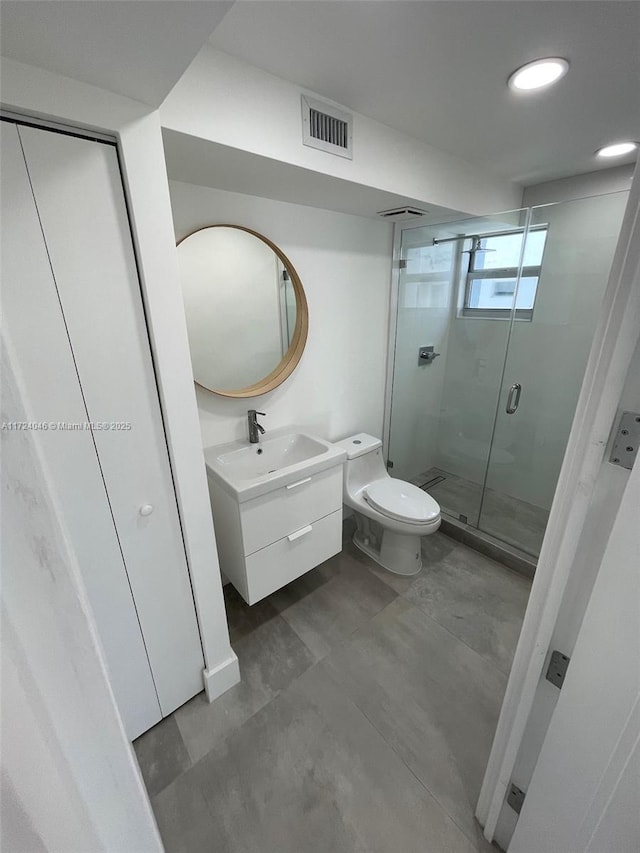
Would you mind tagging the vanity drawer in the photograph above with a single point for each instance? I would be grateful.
(271, 517)
(294, 555)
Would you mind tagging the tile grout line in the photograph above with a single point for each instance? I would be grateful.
(317, 665)
(403, 595)
(440, 805)
(354, 631)
(238, 729)
(251, 716)
(347, 641)
(357, 705)
(500, 566)
(492, 663)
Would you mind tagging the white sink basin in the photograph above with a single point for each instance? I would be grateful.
(249, 470)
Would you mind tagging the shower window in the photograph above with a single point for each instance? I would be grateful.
(492, 273)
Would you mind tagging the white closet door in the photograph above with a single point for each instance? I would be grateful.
(34, 327)
(78, 193)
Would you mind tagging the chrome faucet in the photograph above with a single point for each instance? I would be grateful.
(254, 427)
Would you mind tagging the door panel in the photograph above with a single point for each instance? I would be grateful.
(585, 788)
(547, 355)
(443, 412)
(78, 192)
(34, 326)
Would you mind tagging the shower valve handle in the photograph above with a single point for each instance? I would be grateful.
(426, 354)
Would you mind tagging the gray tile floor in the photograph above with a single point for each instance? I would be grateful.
(512, 520)
(363, 720)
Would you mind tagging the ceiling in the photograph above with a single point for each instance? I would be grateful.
(136, 48)
(433, 69)
(437, 71)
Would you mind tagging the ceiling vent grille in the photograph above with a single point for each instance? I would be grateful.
(327, 128)
(399, 214)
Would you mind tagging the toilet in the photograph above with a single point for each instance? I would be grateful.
(391, 515)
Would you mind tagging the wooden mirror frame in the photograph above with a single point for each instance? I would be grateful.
(293, 355)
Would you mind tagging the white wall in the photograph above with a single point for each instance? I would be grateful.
(615, 179)
(423, 319)
(344, 263)
(225, 100)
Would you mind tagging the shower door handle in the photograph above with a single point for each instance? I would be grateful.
(513, 400)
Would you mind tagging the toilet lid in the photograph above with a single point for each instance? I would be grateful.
(401, 500)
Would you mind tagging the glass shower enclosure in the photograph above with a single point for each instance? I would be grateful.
(495, 320)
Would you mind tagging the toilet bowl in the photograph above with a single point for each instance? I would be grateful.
(391, 515)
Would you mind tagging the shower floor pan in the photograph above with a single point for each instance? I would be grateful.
(511, 530)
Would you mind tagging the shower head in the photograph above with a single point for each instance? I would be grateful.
(476, 241)
(476, 247)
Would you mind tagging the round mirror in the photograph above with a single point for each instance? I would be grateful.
(247, 316)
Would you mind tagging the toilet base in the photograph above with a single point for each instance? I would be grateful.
(399, 553)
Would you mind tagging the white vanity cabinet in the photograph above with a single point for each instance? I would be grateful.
(267, 541)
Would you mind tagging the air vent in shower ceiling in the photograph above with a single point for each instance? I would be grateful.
(327, 128)
(399, 214)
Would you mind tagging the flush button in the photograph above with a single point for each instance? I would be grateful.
(146, 509)
(357, 441)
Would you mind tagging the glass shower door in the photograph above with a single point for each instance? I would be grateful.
(566, 262)
(443, 408)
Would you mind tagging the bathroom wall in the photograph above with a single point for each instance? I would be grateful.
(423, 319)
(345, 265)
(579, 186)
(547, 356)
(224, 100)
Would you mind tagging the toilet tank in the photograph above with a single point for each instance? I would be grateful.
(365, 462)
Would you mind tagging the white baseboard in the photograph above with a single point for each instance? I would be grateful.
(221, 678)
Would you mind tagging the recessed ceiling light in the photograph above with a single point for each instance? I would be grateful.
(538, 74)
(617, 150)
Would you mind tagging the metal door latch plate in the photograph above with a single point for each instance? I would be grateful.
(515, 798)
(557, 670)
(626, 440)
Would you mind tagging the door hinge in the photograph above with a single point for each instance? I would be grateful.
(389, 464)
(557, 668)
(626, 440)
(515, 798)
(402, 264)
